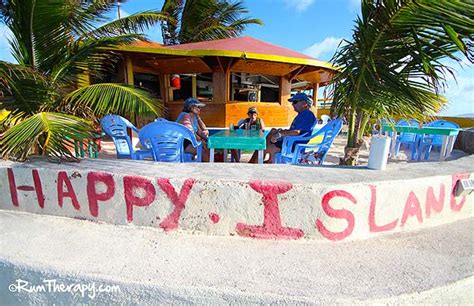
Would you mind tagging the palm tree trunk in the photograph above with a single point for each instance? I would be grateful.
(351, 151)
(363, 126)
(350, 132)
(357, 129)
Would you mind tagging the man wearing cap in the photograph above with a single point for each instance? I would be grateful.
(190, 118)
(301, 125)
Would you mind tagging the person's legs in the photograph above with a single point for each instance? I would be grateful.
(205, 152)
(190, 149)
(235, 155)
(254, 158)
(272, 149)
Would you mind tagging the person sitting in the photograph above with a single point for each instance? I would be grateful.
(252, 122)
(190, 118)
(301, 125)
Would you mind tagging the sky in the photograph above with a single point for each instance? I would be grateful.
(313, 27)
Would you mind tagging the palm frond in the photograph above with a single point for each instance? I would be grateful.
(53, 133)
(25, 90)
(133, 24)
(121, 99)
(209, 20)
(169, 28)
(89, 55)
(394, 61)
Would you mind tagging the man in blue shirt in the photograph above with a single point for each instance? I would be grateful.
(301, 125)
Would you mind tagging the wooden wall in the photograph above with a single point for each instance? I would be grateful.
(222, 114)
(273, 114)
(220, 87)
(213, 114)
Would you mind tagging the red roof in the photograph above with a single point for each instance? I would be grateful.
(243, 44)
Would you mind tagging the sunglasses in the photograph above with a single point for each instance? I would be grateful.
(296, 102)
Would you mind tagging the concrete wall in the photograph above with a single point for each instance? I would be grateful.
(264, 209)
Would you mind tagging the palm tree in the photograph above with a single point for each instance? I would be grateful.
(200, 20)
(395, 63)
(56, 43)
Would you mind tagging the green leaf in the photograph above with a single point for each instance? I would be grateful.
(121, 99)
(52, 134)
(454, 36)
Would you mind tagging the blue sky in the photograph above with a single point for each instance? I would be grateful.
(314, 27)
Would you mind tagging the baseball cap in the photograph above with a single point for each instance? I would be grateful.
(252, 110)
(193, 102)
(301, 96)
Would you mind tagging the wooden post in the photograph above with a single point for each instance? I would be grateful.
(315, 98)
(285, 91)
(169, 89)
(194, 85)
(129, 71)
(129, 81)
(285, 94)
(231, 88)
(220, 87)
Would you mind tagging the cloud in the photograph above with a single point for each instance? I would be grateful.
(299, 5)
(4, 33)
(354, 4)
(460, 92)
(324, 49)
(5, 53)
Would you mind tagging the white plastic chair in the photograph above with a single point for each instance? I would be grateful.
(325, 118)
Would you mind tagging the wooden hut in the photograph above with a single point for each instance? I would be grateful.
(229, 75)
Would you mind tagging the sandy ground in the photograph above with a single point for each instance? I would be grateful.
(432, 267)
(332, 158)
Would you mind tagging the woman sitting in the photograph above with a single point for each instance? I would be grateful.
(190, 118)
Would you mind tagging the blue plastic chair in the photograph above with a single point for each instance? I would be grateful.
(429, 141)
(167, 138)
(116, 127)
(409, 139)
(290, 155)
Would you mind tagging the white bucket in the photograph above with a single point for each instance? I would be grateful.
(379, 149)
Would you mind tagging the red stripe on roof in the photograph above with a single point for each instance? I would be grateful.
(243, 44)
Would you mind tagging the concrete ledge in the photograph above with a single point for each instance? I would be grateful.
(430, 266)
(257, 201)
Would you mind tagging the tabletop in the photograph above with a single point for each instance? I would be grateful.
(238, 139)
(422, 130)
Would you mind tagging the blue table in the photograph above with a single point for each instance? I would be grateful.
(449, 135)
(238, 139)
